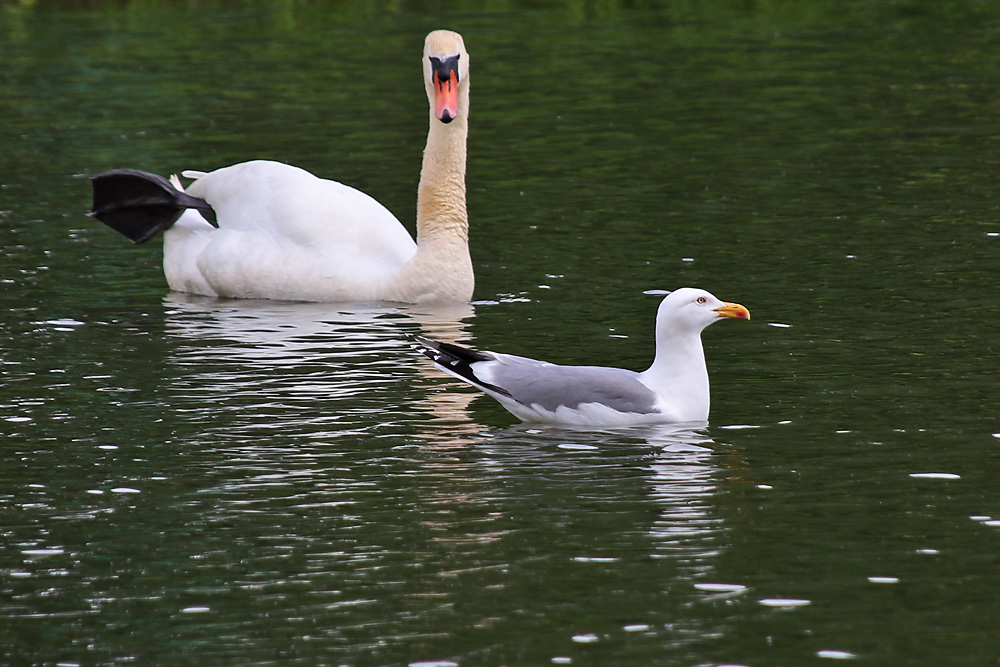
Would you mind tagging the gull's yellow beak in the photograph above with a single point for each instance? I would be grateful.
(733, 310)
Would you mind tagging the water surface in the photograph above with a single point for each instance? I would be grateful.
(198, 481)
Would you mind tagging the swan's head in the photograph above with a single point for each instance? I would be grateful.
(693, 309)
(446, 74)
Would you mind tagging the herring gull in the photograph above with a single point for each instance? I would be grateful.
(673, 389)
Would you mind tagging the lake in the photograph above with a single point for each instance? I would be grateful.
(187, 480)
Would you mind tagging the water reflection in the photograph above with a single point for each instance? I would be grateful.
(331, 366)
(289, 324)
(684, 479)
(305, 463)
(300, 476)
(680, 467)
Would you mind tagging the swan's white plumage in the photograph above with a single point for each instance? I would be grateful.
(286, 234)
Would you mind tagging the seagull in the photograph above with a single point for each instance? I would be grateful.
(674, 389)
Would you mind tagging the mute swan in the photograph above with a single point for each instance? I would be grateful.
(674, 389)
(283, 233)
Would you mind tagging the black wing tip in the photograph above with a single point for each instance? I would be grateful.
(451, 349)
(426, 346)
(423, 340)
(461, 352)
(458, 360)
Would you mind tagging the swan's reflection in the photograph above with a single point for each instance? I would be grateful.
(331, 364)
(288, 324)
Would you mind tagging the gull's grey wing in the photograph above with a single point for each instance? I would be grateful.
(550, 386)
(538, 383)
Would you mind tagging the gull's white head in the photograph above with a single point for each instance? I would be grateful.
(693, 309)
(446, 75)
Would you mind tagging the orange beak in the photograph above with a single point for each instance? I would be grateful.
(733, 310)
(446, 96)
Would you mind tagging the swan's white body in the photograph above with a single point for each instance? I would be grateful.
(285, 234)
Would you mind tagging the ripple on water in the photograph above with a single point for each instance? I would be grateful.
(784, 603)
(196, 610)
(720, 588)
(835, 655)
(636, 627)
(54, 551)
(934, 475)
(578, 447)
(63, 323)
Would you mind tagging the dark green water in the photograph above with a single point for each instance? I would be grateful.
(192, 481)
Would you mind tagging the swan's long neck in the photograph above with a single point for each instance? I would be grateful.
(442, 268)
(441, 212)
(679, 373)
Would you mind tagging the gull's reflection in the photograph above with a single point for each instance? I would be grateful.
(683, 479)
(680, 463)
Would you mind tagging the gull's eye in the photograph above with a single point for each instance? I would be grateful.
(702, 299)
